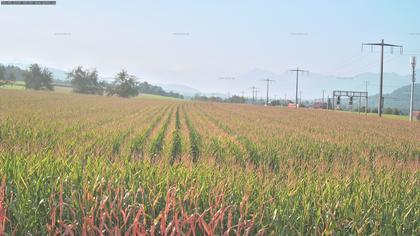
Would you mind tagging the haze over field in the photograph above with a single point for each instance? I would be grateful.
(194, 44)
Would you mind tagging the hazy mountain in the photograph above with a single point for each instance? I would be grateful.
(59, 74)
(312, 84)
(179, 88)
(399, 98)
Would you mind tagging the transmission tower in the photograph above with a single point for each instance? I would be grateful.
(268, 86)
(297, 70)
(381, 81)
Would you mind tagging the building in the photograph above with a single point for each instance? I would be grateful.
(416, 115)
(319, 105)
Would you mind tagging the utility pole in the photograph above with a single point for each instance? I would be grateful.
(381, 81)
(328, 102)
(300, 97)
(367, 100)
(366, 85)
(297, 70)
(268, 86)
(254, 93)
(413, 65)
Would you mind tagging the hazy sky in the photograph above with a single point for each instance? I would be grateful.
(196, 42)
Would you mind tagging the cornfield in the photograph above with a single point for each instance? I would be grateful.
(87, 165)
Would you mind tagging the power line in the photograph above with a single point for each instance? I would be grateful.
(348, 67)
(382, 45)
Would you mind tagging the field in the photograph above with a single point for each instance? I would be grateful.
(90, 165)
(19, 85)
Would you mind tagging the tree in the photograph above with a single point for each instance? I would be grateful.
(145, 87)
(396, 111)
(2, 75)
(235, 99)
(12, 77)
(373, 110)
(85, 81)
(38, 78)
(7, 76)
(276, 103)
(388, 110)
(124, 85)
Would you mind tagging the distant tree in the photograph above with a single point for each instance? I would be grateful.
(235, 99)
(277, 103)
(199, 97)
(396, 111)
(85, 81)
(2, 75)
(174, 95)
(13, 73)
(7, 76)
(38, 78)
(388, 110)
(145, 87)
(124, 85)
(12, 77)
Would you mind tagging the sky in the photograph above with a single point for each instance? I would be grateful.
(195, 43)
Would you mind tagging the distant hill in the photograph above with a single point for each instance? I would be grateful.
(179, 88)
(399, 98)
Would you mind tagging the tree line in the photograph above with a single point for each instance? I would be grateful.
(6, 78)
(232, 99)
(83, 81)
